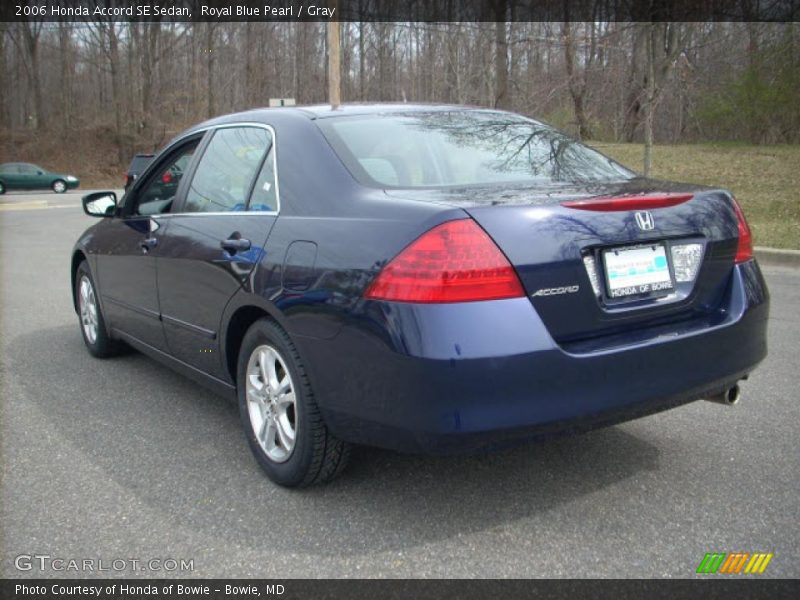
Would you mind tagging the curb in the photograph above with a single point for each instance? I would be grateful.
(774, 257)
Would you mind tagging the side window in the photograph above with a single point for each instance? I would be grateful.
(27, 169)
(158, 195)
(225, 173)
(265, 194)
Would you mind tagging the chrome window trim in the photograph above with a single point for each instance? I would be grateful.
(240, 213)
(274, 149)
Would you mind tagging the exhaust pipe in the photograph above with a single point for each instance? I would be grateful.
(729, 397)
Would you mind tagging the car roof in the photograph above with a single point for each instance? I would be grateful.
(325, 111)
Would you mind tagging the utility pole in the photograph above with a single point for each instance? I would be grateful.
(334, 68)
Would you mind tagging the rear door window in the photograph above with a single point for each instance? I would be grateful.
(265, 191)
(225, 174)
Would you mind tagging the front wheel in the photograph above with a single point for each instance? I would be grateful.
(93, 326)
(2, 188)
(59, 186)
(281, 419)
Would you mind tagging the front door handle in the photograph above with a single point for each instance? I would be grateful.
(148, 244)
(234, 245)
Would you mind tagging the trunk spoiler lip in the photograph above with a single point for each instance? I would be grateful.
(623, 202)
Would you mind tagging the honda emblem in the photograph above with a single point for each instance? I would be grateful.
(645, 220)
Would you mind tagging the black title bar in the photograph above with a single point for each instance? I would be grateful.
(399, 10)
(416, 589)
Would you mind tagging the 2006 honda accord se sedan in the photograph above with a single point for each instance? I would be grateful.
(422, 278)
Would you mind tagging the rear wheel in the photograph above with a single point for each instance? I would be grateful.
(93, 326)
(59, 186)
(281, 419)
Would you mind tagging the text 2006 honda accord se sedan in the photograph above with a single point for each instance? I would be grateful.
(423, 278)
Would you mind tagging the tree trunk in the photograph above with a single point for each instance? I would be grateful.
(249, 83)
(577, 88)
(502, 94)
(649, 100)
(4, 99)
(211, 108)
(116, 92)
(66, 72)
(334, 67)
(30, 32)
(362, 63)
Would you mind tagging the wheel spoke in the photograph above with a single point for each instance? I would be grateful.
(255, 385)
(283, 402)
(269, 436)
(284, 386)
(270, 372)
(265, 359)
(285, 432)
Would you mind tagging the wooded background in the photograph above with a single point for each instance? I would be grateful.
(93, 93)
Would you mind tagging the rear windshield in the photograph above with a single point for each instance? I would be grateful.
(462, 148)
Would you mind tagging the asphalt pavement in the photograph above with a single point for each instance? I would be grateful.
(123, 459)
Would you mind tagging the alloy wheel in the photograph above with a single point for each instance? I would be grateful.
(271, 403)
(88, 308)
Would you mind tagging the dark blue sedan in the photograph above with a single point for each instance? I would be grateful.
(422, 278)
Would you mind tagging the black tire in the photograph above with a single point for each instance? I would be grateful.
(102, 346)
(2, 188)
(316, 456)
(59, 186)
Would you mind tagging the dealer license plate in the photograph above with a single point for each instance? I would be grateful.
(642, 270)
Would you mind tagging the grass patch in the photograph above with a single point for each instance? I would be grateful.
(764, 179)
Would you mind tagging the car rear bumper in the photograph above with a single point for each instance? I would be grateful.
(444, 378)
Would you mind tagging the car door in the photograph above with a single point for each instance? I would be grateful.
(216, 239)
(32, 177)
(11, 176)
(126, 270)
(17, 177)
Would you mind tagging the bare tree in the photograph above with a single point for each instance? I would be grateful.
(664, 42)
(577, 76)
(614, 81)
(27, 40)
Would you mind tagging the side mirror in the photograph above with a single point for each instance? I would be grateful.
(100, 204)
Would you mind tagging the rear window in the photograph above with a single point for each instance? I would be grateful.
(462, 148)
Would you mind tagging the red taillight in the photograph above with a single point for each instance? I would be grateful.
(744, 249)
(453, 262)
(629, 202)
(166, 177)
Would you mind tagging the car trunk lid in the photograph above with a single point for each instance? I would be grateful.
(555, 243)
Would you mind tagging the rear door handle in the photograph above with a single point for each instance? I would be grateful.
(148, 244)
(234, 245)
